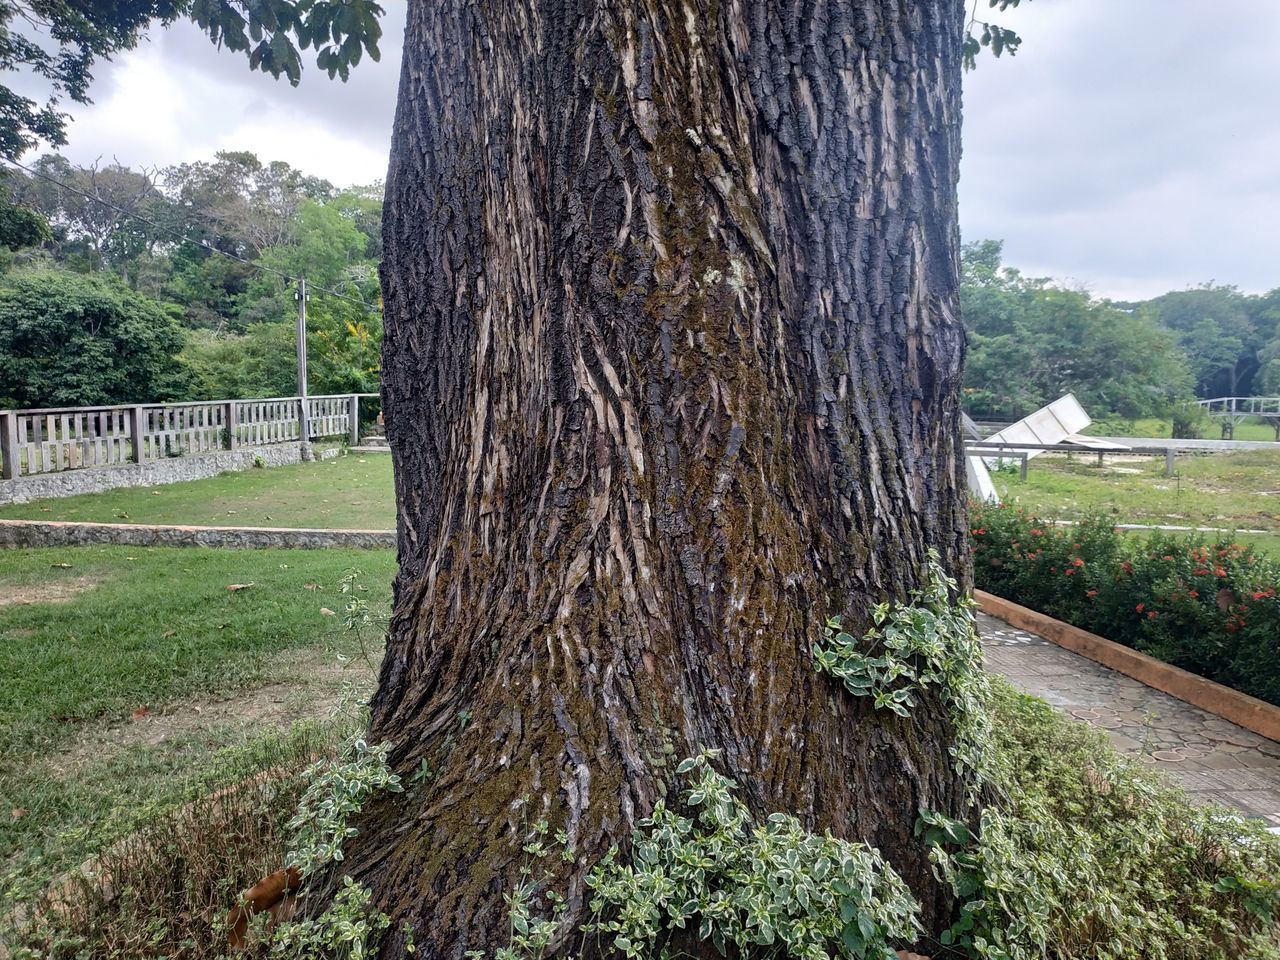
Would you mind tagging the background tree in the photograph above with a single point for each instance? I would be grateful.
(20, 227)
(70, 340)
(258, 363)
(94, 219)
(1217, 333)
(1031, 342)
(207, 242)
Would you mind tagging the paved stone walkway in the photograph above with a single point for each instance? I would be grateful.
(1214, 760)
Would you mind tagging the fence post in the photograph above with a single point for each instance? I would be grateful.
(136, 439)
(304, 425)
(353, 415)
(9, 444)
(1023, 471)
(1168, 461)
(230, 410)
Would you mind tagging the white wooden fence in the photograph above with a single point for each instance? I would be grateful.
(74, 438)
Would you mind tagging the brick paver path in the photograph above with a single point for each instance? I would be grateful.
(1212, 759)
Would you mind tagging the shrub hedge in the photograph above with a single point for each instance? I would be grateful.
(1211, 607)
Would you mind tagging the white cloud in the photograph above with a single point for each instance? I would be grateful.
(1131, 146)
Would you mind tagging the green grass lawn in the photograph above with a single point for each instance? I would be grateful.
(1234, 491)
(1255, 429)
(352, 492)
(115, 666)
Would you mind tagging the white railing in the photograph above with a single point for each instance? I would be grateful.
(74, 438)
(1243, 406)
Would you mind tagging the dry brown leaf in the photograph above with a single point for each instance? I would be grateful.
(141, 712)
(327, 612)
(233, 587)
(17, 813)
(169, 633)
(61, 566)
(311, 586)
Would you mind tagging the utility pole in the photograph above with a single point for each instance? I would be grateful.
(304, 424)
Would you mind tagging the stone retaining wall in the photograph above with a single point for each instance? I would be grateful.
(51, 533)
(153, 473)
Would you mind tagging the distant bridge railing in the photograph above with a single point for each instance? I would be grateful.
(1233, 410)
(76, 438)
(1242, 406)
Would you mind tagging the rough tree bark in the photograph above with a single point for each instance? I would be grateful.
(671, 373)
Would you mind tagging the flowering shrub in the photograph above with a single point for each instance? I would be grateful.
(1208, 607)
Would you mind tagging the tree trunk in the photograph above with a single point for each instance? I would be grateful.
(671, 374)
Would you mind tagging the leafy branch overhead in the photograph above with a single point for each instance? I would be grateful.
(271, 33)
(983, 33)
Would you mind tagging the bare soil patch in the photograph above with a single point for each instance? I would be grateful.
(310, 691)
(55, 591)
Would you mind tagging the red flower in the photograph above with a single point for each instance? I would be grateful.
(1091, 594)
(1219, 572)
(1070, 572)
(1193, 594)
(1140, 607)
(1077, 562)
(1152, 615)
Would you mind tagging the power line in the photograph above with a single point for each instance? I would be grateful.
(204, 244)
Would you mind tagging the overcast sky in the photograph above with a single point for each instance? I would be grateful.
(1132, 146)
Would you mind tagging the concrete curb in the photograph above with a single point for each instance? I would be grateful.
(52, 533)
(1240, 708)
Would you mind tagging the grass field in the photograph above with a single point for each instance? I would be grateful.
(124, 672)
(131, 676)
(1236, 491)
(351, 491)
(1256, 429)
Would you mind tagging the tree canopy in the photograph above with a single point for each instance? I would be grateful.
(72, 340)
(212, 243)
(1031, 340)
(59, 41)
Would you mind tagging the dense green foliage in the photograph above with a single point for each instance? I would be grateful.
(747, 886)
(1030, 341)
(1231, 340)
(56, 43)
(1212, 607)
(926, 645)
(70, 340)
(212, 243)
(1084, 855)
